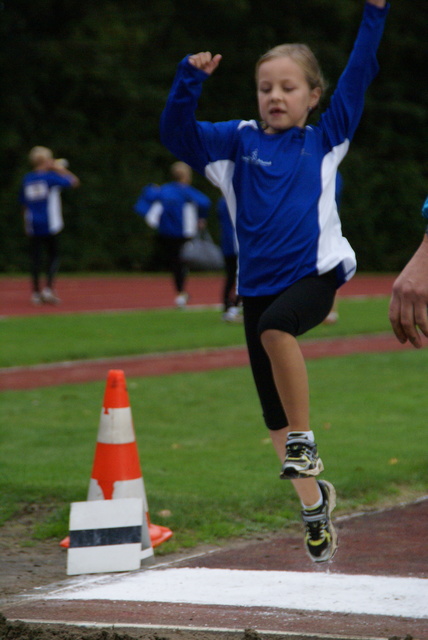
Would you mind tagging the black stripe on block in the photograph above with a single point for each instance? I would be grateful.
(103, 537)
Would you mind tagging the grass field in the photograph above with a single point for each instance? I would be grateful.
(204, 451)
(41, 339)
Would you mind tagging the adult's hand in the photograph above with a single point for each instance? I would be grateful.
(408, 307)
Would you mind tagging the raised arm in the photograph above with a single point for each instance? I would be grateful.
(189, 140)
(61, 166)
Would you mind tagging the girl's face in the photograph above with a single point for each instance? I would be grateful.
(284, 95)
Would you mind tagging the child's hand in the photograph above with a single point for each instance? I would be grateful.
(378, 3)
(60, 163)
(205, 61)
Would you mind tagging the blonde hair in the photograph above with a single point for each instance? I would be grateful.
(181, 172)
(303, 56)
(39, 155)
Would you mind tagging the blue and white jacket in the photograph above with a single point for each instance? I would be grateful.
(280, 188)
(173, 209)
(40, 194)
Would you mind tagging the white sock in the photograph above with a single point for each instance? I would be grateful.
(314, 506)
(305, 434)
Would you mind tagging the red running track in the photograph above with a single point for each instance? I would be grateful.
(120, 293)
(101, 293)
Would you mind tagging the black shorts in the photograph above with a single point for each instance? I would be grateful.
(299, 308)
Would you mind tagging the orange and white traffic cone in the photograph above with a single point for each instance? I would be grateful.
(116, 471)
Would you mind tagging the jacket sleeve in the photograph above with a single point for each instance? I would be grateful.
(346, 106)
(57, 180)
(147, 197)
(196, 143)
(202, 201)
(178, 127)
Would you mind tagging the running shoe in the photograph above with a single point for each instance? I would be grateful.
(181, 300)
(49, 296)
(232, 315)
(320, 536)
(301, 457)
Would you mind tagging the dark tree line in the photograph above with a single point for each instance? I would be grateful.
(90, 80)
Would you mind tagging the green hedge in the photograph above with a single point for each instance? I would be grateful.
(90, 81)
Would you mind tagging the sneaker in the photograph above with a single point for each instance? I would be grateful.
(332, 318)
(36, 299)
(301, 457)
(321, 536)
(232, 315)
(181, 300)
(49, 296)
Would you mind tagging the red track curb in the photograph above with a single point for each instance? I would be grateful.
(16, 378)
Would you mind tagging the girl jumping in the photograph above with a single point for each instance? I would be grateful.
(279, 177)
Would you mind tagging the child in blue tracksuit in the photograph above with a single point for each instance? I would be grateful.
(279, 177)
(177, 211)
(40, 197)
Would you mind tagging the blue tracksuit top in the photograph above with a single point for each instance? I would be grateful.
(173, 208)
(279, 188)
(40, 194)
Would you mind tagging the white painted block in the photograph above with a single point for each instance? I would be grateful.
(105, 559)
(106, 536)
(124, 512)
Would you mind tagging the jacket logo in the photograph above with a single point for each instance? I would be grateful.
(254, 159)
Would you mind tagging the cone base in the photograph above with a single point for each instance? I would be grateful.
(159, 534)
(65, 543)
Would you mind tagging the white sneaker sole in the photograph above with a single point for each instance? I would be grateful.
(291, 472)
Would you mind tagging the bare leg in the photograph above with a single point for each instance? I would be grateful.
(290, 375)
(291, 380)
